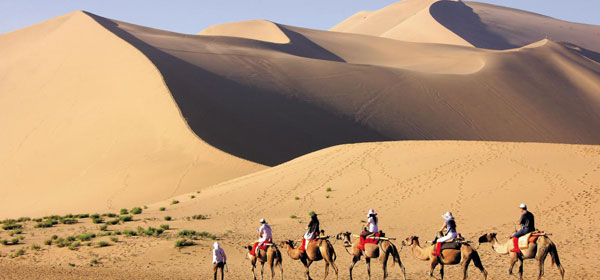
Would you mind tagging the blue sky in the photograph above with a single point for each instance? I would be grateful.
(191, 16)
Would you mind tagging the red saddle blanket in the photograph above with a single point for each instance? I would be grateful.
(303, 245)
(263, 247)
(368, 240)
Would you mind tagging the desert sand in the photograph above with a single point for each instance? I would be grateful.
(415, 109)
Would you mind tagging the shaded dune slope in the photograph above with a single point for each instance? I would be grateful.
(88, 124)
(333, 94)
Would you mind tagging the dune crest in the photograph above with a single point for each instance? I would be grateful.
(261, 30)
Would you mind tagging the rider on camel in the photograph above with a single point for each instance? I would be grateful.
(527, 225)
(312, 231)
(450, 227)
(372, 225)
(264, 236)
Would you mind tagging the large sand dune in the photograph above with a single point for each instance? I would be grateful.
(108, 112)
(88, 123)
(467, 23)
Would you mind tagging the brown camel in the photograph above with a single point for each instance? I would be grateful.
(372, 251)
(320, 249)
(538, 250)
(462, 256)
(271, 256)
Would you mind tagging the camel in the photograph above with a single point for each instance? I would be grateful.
(271, 256)
(372, 251)
(463, 256)
(538, 250)
(320, 249)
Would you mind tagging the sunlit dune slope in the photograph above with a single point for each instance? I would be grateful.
(254, 29)
(88, 123)
(410, 184)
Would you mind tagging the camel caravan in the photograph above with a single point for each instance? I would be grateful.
(448, 248)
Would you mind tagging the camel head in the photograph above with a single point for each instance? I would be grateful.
(488, 237)
(287, 244)
(345, 236)
(410, 240)
(248, 247)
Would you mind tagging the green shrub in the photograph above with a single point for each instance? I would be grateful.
(97, 220)
(124, 211)
(37, 220)
(183, 242)
(293, 216)
(74, 245)
(174, 201)
(327, 196)
(162, 208)
(71, 238)
(187, 233)
(114, 239)
(18, 253)
(167, 218)
(127, 218)
(110, 215)
(136, 211)
(95, 216)
(24, 219)
(205, 234)
(44, 224)
(150, 231)
(102, 244)
(117, 232)
(129, 232)
(165, 227)
(86, 236)
(21, 237)
(81, 216)
(11, 225)
(192, 196)
(14, 241)
(104, 227)
(199, 217)
(54, 237)
(68, 221)
(296, 198)
(328, 190)
(112, 222)
(4, 242)
(48, 242)
(18, 231)
(145, 207)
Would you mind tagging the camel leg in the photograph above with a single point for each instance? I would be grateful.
(521, 269)
(368, 261)
(513, 261)
(326, 270)
(384, 266)
(355, 259)
(442, 271)
(432, 265)
(465, 267)
(477, 262)
(541, 257)
(253, 272)
(329, 261)
(262, 270)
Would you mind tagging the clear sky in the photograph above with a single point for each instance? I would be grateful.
(191, 16)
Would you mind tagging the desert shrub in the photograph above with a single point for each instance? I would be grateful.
(89, 243)
(48, 242)
(192, 196)
(167, 218)
(183, 242)
(18, 253)
(11, 225)
(328, 189)
(296, 198)
(93, 262)
(136, 211)
(145, 207)
(117, 232)
(327, 196)
(174, 201)
(86, 236)
(71, 238)
(199, 217)
(124, 211)
(104, 227)
(81, 216)
(164, 227)
(205, 234)
(112, 222)
(126, 218)
(68, 221)
(18, 231)
(61, 242)
(37, 220)
(114, 239)
(68, 216)
(187, 233)
(23, 219)
(129, 232)
(162, 209)
(74, 245)
(97, 220)
(4, 242)
(95, 216)
(54, 237)
(21, 237)
(293, 216)
(102, 244)
(150, 231)
(44, 224)
(110, 215)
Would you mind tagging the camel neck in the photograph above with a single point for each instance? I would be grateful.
(418, 251)
(499, 248)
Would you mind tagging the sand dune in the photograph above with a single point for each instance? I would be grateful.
(88, 123)
(410, 184)
(194, 110)
(261, 30)
(467, 23)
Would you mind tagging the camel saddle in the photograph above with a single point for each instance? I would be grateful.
(374, 239)
(531, 237)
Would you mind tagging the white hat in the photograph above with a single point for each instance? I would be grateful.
(523, 206)
(262, 221)
(448, 216)
(371, 212)
(216, 245)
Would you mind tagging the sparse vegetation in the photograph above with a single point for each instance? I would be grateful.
(48, 242)
(126, 218)
(192, 196)
(293, 217)
(124, 211)
(112, 222)
(167, 218)
(35, 247)
(183, 242)
(10, 225)
(296, 198)
(104, 227)
(110, 215)
(94, 262)
(150, 231)
(102, 244)
(136, 211)
(45, 224)
(162, 209)
(129, 232)
(86, 236)
(18, 253)
(82, 216)
(199, 217)
(97, 220)
(174, 201)
(164, 227)
(95, 216)
(310, 213)
(68, 221)
(327, 196)
(23, 219)
(74, 245)
(114, 239)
